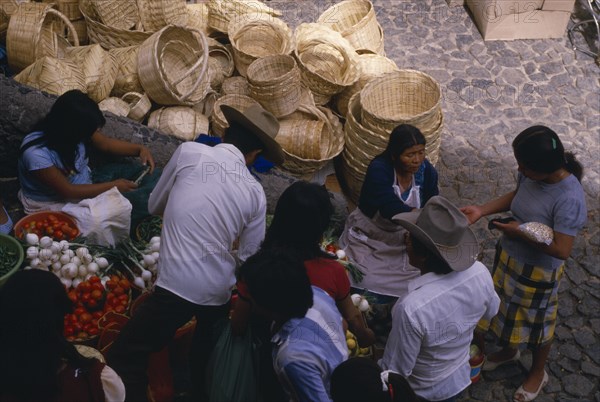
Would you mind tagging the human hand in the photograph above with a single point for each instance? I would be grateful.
(472, 212)
(124, 185)
(510, 229)
(146, 157)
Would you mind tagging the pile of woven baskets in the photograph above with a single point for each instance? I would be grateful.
(171, 65)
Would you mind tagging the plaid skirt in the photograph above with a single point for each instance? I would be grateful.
(528, 302)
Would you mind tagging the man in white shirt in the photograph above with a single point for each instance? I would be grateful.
(208, 199)
(432, 326)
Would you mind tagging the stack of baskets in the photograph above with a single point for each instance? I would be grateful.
(179, 121)
(70, 9)
(400, 97)
(222, 12)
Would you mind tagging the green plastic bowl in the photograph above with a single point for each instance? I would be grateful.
(12, 244)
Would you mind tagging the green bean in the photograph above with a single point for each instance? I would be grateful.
(8, 259)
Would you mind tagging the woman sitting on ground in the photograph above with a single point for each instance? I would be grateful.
(399, 180)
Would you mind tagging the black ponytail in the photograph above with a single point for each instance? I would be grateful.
(573, 166)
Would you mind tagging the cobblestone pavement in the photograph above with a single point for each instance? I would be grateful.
(492, 91)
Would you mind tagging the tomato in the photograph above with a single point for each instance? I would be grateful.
(72, 296)
(52, 218)
(94, 279)
(85, 318)
(118, 291)
(79, 310)
(73, 234)
(110, 284)
(124, 283)
(59, 234)
(68, 331)
(330, 248)
(49, 231)
(98, 286)
(96, 315)
(96, 294)
(92, 303)
(120, 309)
(115, 302)
(82, 335)
(38, 225)
(77, 327)
(84, 287)
(93, 331)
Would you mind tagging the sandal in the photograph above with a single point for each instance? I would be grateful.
(525, 396)
(490, 365)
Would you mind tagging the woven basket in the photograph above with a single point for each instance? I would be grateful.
(327, 61)
(220, 63)
(221, 12)
(197, 17)
(116, 106)
(179, 121)
(173, 65)
(10, 6)
(331, 141)
(258, 35)
(405, 96)
(219, 123)
(139, 105)
(99, 68)
(370, 66)
(356, 21)
(81, 29)
(120, 14)
(70, 8)
(34, 31)
(127, 79)
(52, 75)
(206, 106)
(4, 19)
(157, 14)
(235, 85)
(274, 81)
(106, 36)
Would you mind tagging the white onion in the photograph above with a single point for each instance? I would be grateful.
(76, 261)
(146, 275)
(81, 251)
(66, 281)
(139, 282)
(27, 267)
(64, 245)
(87, 258)
(155, 255)
(92, 267)
(45, 254)
(102, 262)
(45, 242)
(76, 282)
(65, 259)
(363, 306)
(55, 247)
(56, 266)
(104, 279)
(341, 254)
(32, 252)
(82, 270)
(149, 260)
(54, 258)
(356, 298)
(46, 263)
(32, 239)
(69, 252)
(35, 263)
(155, 239)
(155, 246)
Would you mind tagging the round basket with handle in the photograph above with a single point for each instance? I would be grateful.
(99, 68)
(127, 79)
(34, 32)
(120, 14)
(356, 21)
(274, 81)
(139, 105)
(173, 65)
(181, 122)
(157, 14)
(258, 35)
(114, 105)
(219, 123)
(52, 75)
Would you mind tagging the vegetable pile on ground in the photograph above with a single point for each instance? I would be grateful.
(8, 259)
(53, 226)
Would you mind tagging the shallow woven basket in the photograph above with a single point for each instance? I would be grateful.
(139, 105)
(157, 14)
(370, 66)
(127, 79)
(331, 142)
(197, 17)
(221, 12)
(114, 105)
(70, 8)
(35, 31)
(235, 85)
(52, 75)
(109, 37)
(179, 121)
(240, 102)
(120, 14)
(327, 61)
(356, 21)
(99, 68)
(258, 35)
(405, 96)
(173, 66)
(274, 81)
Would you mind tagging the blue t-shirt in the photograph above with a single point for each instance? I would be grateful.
(559, 205)
(41, 157)
(308, 349)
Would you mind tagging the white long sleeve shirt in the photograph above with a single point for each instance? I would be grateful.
(432, 328)
(208, 199)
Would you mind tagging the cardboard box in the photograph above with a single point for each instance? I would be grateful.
(521, 19)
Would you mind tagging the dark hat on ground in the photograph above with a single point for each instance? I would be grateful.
(262, 124)
(444, 230)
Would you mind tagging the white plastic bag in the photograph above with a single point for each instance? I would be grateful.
(105, 219)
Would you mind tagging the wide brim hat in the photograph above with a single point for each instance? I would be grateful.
(262, 124)
(444, 230)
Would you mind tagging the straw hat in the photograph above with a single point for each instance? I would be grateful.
(444, 230)
(262, 124)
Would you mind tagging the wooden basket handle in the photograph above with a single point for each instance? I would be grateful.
(66, 21)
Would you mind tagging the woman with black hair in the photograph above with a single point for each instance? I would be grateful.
(399, 180)
(527, 273)
(53, 163)
(38, 363)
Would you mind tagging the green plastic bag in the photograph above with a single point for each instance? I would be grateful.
(233, 368)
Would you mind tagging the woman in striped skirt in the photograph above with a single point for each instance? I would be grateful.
(527, 272)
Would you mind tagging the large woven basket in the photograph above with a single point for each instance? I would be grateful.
(219, 123)
(220, 63)
(157, 14)
(235, 85)
(405, 96)
(109, 37)
(139, 105)
(70, 8)
(10, 6)
(258, 35)
(114, 105)
(331, 142)
(327, 61)
(34, 31)
(127, 79)
(197, 17)
(221, 12)
(99, 68)
(120, 14)
(173, 65)
(370, 66)
(179, 121)
(52, 75)
(206, 106)
(356, 21)
(274, 81)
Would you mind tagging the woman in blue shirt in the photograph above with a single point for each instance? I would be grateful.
(399, 180)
